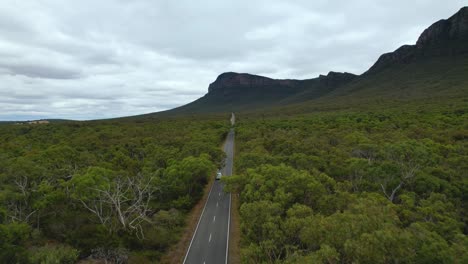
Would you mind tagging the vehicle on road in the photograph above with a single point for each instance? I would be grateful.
(219, 175)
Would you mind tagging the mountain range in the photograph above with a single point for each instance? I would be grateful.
(435, 67)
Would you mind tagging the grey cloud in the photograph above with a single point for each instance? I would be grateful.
(98, 59)
(41, 71)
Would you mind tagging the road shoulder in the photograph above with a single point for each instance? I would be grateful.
(177, 252)
(234, 231)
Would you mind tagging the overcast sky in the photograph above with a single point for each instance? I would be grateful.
(93, 59)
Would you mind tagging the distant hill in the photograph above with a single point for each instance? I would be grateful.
(34, 122)
(435, 67)
(241, 91)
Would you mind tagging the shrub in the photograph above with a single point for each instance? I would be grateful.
(53, 254)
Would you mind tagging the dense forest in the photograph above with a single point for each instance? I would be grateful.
(370, 185)
(374, 185)
(113, 190)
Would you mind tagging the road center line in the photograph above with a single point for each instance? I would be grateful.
(209, 240)
(214, 218)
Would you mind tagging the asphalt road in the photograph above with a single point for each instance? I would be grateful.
(210, 241)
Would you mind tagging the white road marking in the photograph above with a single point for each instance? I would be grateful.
(229, 167)
(199, 220)
(229, 227)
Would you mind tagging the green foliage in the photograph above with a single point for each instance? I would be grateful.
(103, 189)
(13, 236)
(186, 178)
(383, 186)
(54, 254)
(86, 186)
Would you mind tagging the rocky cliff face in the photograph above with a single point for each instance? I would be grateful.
(242, 91)
(454, 28)
(335, 79)
(232, 79)
(447, 37)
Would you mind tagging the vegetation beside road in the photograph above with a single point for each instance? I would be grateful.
(114, 190)
(373, 185)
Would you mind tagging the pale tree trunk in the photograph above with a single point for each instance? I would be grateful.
(127, 200)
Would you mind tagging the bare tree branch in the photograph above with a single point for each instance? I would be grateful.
(127, 200)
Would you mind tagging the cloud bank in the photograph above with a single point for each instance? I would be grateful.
(99, 59)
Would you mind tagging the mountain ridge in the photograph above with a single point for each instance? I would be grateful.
(434, 66)
(442, 38)
(233, 91)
